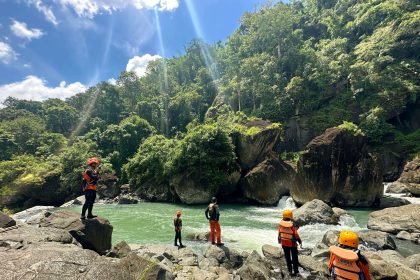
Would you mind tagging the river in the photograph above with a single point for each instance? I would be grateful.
(243, 227)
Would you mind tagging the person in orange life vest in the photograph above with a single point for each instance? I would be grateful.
(346, 262)
(178, 229)
(90, 179)
(288, 238)
(213, 215)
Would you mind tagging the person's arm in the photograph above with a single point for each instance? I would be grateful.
(364, 266)
(207, 213)
(93, 175)
(217, 212)
(180, 224)
(330, 264)
(297, 237)
(279, 236)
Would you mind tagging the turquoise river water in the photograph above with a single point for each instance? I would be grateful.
(243, 227)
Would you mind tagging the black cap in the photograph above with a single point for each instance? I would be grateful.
(213, 199)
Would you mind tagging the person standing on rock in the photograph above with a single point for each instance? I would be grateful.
(346, 261)
(178, 229)
(288, 238)
(213, 215)
(90, 181)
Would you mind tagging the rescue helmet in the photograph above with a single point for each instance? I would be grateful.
(178, 213)
(93, 160)
(349, 238)
(287, 214)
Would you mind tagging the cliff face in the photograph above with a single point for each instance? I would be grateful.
(336, 167)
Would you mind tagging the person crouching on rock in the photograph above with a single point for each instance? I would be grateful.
(288, 238)
(346, 262)
(178, 229)
(213, 215)
(90, 180)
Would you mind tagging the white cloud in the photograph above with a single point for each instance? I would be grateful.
(7, 54)
(89, 8)
(112, 81)
(138, 64)
(21, 30)
(34, 88)
(45, 10)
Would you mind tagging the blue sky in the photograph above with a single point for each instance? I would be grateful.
(55, 48)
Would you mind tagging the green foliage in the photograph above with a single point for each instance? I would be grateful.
(351, 127)
(375, 127)
(410, 142)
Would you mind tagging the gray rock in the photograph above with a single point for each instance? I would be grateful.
(397, 187)
(330, 238)
(381, 270)
(337, 167)
(201, 236)
(6, 221)
(338, 212)
(314, 212)
(32, 215)
(215, 252)
(272, 252)
(389, 201)
(108, 186)
(207, 263)
(94, 234)
(413, 262)
(407, 219)
(403, 235)
(119, 250)
(25, 234)
(254, 268)
(377, 240)
(127, 199)
(321, 251)
(315, 267)
(267, 182)
(77, 201)
(411, 176)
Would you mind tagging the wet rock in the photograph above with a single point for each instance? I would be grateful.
(338, 212)
(411, 176)
(337, 167)
(254, 268)
(6, 221)
(389, 201)
(267, 182)
(127, 199)
(404, 235)
(397, 187)
(120, 250)
(314, 212)
(377, 240)
(272, 252)
(201, 236)
(413, 262)
(33, 215)
(396, 219)
(94, 234)
(330, 238)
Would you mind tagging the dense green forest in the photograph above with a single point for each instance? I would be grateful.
(326, 62)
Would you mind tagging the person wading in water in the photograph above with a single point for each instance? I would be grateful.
(213, 215)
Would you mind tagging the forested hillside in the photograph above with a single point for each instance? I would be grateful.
(311, 64)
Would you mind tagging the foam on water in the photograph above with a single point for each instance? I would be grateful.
(413, 200)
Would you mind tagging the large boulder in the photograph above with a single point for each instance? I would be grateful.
(108, 186)
(377, 240)
(413, 261)
(94, 234)
(381, 270)
(252, 148)
(397, 187)
(6, 221)
(156, 192)
(272, 252)
(267, 182)
(314, 212)
(411, 176)
(191, 190)
(337, 167)
(33, 215)
(390, 201)
(254, 268)
(396, 219)
(393, 263)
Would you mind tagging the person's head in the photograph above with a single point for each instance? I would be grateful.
(287, 215)
(93, 162)
(349, 238)
(213, 200)
(178, 213)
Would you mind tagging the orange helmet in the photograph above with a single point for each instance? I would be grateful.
(349, 238)
(178, 213)
(92, 161)
(287, 214)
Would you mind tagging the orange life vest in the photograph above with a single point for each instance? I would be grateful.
(286, 231)
(344, 266)
(89, 184)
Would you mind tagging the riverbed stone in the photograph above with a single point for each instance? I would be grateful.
(411, 176)
(381, 270)
(396, 219)
(119, 250)
(254, 268)
(413, 262)
(320, 251)
(404, 235)
(377, 240)
(314, 212)
(397, 187)
(272, 252)
(215, 252)
(32, 215)
(6, 221)
(316, 267)
(330, 238)
(207, 263)
(390, 201)
(94, 234)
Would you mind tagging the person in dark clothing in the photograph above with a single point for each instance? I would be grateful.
(90, 181)
(213, 215)
(288, 238)
(178, 229)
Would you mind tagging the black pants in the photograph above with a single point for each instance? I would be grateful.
(292, 260)
(178, 237)
(90, 196)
